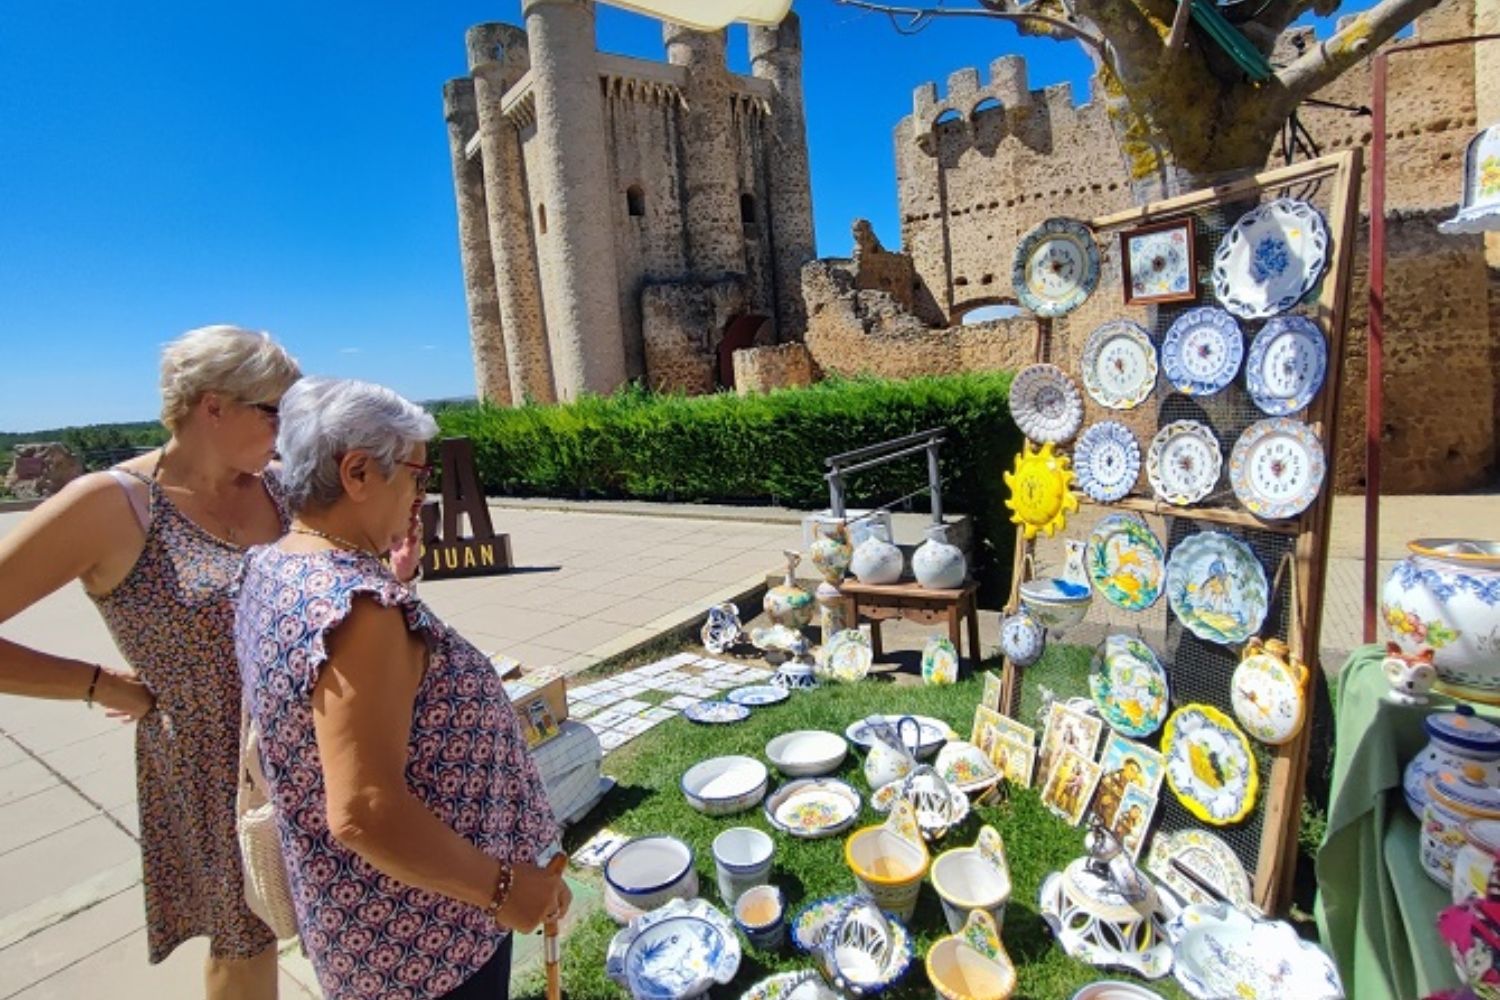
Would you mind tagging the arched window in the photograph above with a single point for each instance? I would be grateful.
(951, 115)
(541, 219)
(747, 214)
(635, 200)
(988, 104)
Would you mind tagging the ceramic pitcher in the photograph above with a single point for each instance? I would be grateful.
(889, 758)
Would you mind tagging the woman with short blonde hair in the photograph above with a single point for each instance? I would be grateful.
(157, 543)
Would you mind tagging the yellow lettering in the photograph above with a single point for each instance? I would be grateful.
(450, 559)
(487, 555)
(468, 557)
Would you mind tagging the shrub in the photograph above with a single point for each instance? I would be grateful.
(761, 449)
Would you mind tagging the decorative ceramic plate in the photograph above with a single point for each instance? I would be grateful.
(758, 694)
(1217, 587)
(1107, 460)
(939, 661)
(810, 923)
(1202, 350)
(716, 712)
(934, 733)
(1041, 494)
(1272, 257)
(679, 950)
(805, 984)
(1268, 693)
(1277, 468)
(1183, 462)
(1045, 404)
(813, 808)
(1207, 857)
(1210, 765)
(1129, 685)
(1119, 364)
(1126, 562)
(1056, 267)
(848, 655)
(1223, 952)
(1288, 362)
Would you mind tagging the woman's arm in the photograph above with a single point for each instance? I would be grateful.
(362, 709)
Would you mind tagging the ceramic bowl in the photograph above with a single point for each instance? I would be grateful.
(888, 868)
(724, 785)
(807, 752)
(965, 766)
(622, 912)
(678, 951)
(1113, 989)
(971, 964)
(969, 879)
(649, 871)
(1223, 952)
(804, 984)
(861, 951)
(1056, 603)
(813, 808)
(933, 733)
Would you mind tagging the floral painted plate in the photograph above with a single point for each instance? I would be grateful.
(1107, 460)
(1184, 462)
(1119, 364)
(758, 694)
(848, 655)
(805, 984)
(1207, 857)
(939, 661)
(1210, 765)
(1126, 562)
(1056, 267)
(1272, 257)
(713, 713)
(1277, 468)
(1041, 494)
(1288, 362)
(1045, 404)
(1224, 952)
(1217, 587)
(1129, 685)
(813, 808)
(1202, 350)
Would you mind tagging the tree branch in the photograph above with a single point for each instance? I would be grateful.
(1053, 27)
(1272, 19)
(1323, 63)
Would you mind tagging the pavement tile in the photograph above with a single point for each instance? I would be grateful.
(111, 786)
(54, 948)
(68, 857)
(39, 815)
(582, 636)
(76, 760)
(638, 611)
(122, 965)
(24, 779)
(11, 752)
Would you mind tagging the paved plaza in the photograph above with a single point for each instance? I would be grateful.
(594, 581)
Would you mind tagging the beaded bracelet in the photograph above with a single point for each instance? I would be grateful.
(502, 890)
(88, 699)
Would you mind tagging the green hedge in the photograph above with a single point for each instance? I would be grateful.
(760, 449)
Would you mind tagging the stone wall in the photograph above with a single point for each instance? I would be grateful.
(778, 366)
(682, 323)
(41, 469)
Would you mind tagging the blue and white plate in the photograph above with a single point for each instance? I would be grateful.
(1287, 365)
(716, 712)
(1107, 459)
(679, 950)
(758, 694)
(1202, 351)
(1272, 257)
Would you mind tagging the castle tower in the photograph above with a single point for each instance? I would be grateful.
(776, 56)
(571, 187)
(491, 371)
(498, 58)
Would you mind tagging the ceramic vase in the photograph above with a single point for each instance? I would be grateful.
(788, 604)
(1440, 599)
(1454, 740)
(831, 552)
(876, 560)
(937, 563)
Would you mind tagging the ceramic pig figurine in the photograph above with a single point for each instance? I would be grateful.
(1410, 677)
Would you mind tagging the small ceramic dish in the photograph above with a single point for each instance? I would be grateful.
(678, 951)
(965, 766)
(757, 695)
(724, 785)
(804, 984)
(647, 872)
(805, 753)
(715, 713)
(813, 808)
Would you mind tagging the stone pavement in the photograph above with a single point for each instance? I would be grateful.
(593, 585)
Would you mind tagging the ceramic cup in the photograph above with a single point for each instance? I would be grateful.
(742, 860)
(888, 868)
(965, 881)
(760, 914)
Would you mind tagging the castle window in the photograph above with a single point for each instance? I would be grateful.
(747, 214)
(988, 104)
(541, 219)
(635, 200)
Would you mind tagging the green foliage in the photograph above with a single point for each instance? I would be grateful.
(97, 445)
(761, 449)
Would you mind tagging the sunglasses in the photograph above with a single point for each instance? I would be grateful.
(271, 410)
(421, 473)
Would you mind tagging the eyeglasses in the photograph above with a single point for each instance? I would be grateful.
(421, 473)
(271, 411)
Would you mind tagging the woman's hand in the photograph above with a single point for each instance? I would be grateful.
(406, 558)
(124, 697)
(537, 896)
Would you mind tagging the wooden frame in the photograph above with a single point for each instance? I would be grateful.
(1282, 787)
(1186, 222)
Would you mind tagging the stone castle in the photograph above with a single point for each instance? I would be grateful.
(623, 219)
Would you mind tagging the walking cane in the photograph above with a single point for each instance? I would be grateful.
(552, 951)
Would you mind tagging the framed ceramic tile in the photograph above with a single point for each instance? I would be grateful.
(1070, 786)
(632, 706)
(1013, 730)
(1133, 818)
(678, 702)
(991, 698)
(1014, 759)
(754, 674)
(1066, 729)
(580, 710)
(1136, 762)
(983, 717)
(634, 725)
(1159, 262)
(659, 714)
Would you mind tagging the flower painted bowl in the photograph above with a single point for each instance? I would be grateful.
(1056, 603)
(648, 872)
(807, 752)
(965, 766)
(1445, 597)
(678, 951)
(813, 808)
(724, 785)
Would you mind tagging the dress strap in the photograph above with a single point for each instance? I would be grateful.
(138, 504)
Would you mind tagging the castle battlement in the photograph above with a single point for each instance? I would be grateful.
(966, 97)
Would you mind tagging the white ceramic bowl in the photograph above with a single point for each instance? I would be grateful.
(806, 753)
(724, 785)
(824, 798)
(1113, 989)
(1056, 604)
(965, 766)
(623, 912)
(958, 972)
(649, 871)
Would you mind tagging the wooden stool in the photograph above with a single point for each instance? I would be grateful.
(914, 602)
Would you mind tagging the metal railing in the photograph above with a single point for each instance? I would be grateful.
(872, 456)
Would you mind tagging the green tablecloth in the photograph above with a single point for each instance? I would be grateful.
(1376, 907)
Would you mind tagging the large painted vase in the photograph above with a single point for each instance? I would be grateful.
(831, 551)
(1445, 597)
(788, 604)
(937, 564)
(877, 560)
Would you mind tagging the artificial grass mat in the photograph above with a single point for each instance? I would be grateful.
(648, 800)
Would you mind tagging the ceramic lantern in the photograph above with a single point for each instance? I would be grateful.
(1479, 211)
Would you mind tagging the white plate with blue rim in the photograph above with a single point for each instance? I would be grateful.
(1107, 459)
(715, 713)
(1271, 258)
(757, 695)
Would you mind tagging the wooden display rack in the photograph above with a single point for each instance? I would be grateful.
(1282, 789)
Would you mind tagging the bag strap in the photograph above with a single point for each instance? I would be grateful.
(252, 778)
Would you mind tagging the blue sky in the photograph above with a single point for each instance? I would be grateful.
(285, 167)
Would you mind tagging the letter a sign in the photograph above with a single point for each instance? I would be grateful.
(446, 553)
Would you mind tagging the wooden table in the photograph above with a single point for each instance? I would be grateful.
(878, 602)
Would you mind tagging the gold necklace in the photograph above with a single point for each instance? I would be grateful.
(298, 529)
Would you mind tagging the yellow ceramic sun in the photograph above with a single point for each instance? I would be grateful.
(1040, 494)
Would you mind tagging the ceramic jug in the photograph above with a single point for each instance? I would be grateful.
(831, 552)
(889, 758)
(876, 560)
(937, 564)
(788, 604)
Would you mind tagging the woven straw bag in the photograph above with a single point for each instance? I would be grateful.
(268, 891)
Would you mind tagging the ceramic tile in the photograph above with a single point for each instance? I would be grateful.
(659, 714)
(635, 726)
(680, 702)
(610, 739)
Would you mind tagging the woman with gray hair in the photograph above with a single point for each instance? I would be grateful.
(410, 813)
(157, 543)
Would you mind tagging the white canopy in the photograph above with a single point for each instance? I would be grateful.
(709, 15)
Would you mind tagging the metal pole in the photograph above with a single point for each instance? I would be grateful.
(1376, 348)
(934, 482)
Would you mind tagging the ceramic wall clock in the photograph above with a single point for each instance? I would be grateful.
(1287, 364)
(1126, 562)
(1207, 857)
(1119, 364)
(1041, 494)
(1129, 685)
(1268, 692)
(1210, 766)
(1184, 462)
(1223, 952)
(1056, 267)
(1277, 468)
(1202, 350)
(1045, 404)
(1159, 263)
(1217, 587)
(1107, 460)
(1022, 640)
(1272, 257)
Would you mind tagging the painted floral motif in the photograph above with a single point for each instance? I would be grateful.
(979, 934)
(1270, 258)
(1408, 625)
(812, 813)
(1489, 176)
